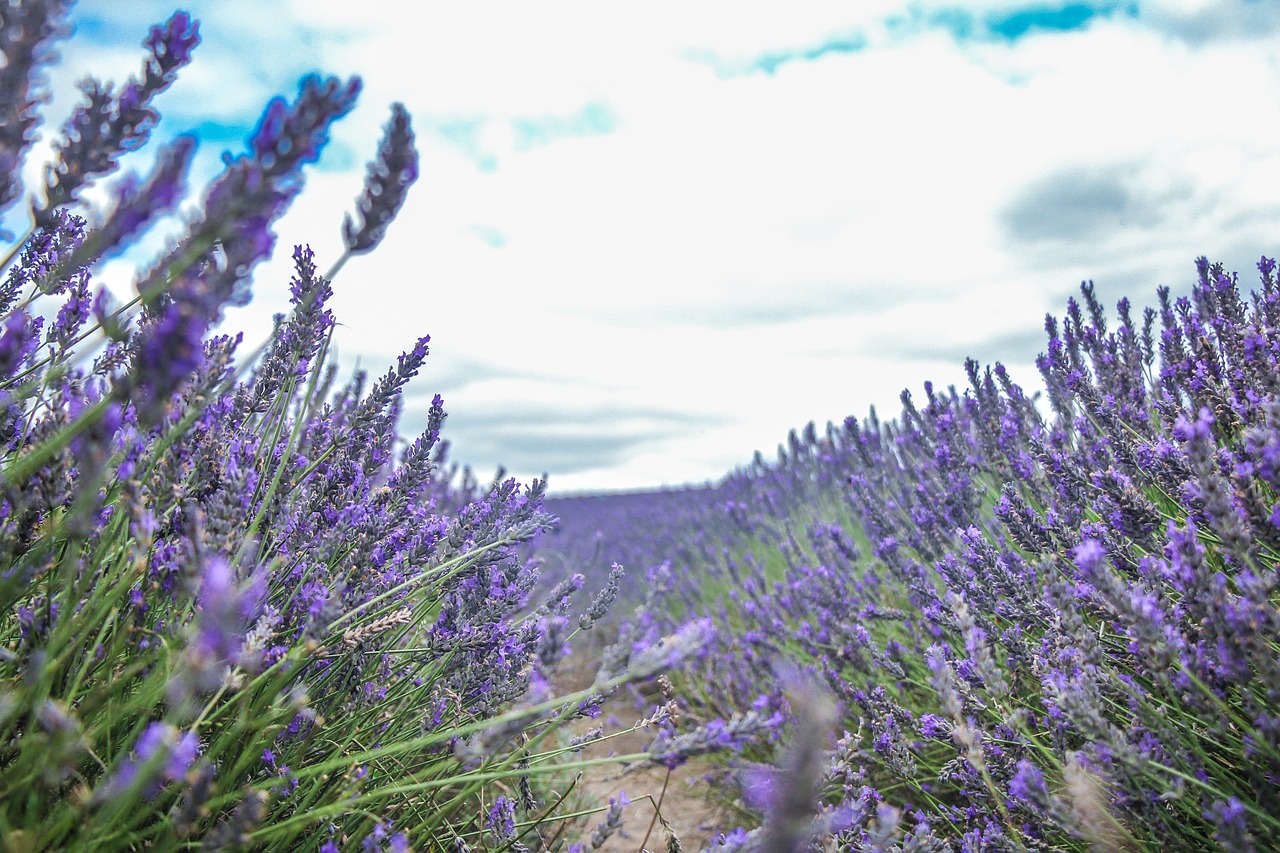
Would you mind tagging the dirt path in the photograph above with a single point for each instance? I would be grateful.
(686, 807)
(683, 793)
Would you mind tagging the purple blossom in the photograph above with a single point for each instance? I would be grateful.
(161, 756)
(1027, 785)
(1231, 828)
(501, 820)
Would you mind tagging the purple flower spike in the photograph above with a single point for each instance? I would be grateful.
(253, 192)
(170, 351)
(1027, 784)
(163, 752)
(26, 28)
(19, 337)
(140, 203)
(288, 136)
(1089, 556)
(49, 250)
(501, 820)
(385, 186)
(221, 625)
(612, 822)
(1231, 827)
(108, 124)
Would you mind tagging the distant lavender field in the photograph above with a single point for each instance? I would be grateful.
(234, 616)
(1047, 626)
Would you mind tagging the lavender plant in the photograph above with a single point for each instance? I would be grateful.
(1048, 627)
(231, 614)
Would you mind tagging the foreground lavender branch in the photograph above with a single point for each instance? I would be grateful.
(231, 616)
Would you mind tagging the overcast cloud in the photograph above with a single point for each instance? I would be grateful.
(650, 239)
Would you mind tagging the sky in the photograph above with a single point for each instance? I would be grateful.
(650, 239)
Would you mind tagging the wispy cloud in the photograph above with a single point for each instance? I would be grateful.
(486, 140)
(1015, 347)
(1006, 24)
(567, 439)
(1088, 202)
(594, 119)
(769, 62)
(778, 303)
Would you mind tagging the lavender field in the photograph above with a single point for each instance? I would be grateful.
(1042, 629)
(239, 610)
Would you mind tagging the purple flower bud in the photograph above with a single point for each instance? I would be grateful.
(171, 45)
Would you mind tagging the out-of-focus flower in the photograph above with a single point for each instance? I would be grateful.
(110, 124)
(385, 186)
(27, 28)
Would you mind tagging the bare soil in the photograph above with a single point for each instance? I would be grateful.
(682, 797)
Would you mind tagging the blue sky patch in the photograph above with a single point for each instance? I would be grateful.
(468, 134)
(594, 119)
(221, 134)
(961, 23)
(769, 63)
(1073, 16)
(1006, 25)
(118, 27)
(490, 236)
(958, 22)
(465, 135)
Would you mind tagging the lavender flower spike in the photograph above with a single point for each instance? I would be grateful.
(26, 27)
(687, 641)
(108, 125)
(247, 199)
(139, 203)
(789, 825)
(385, 186)
(612, 822)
